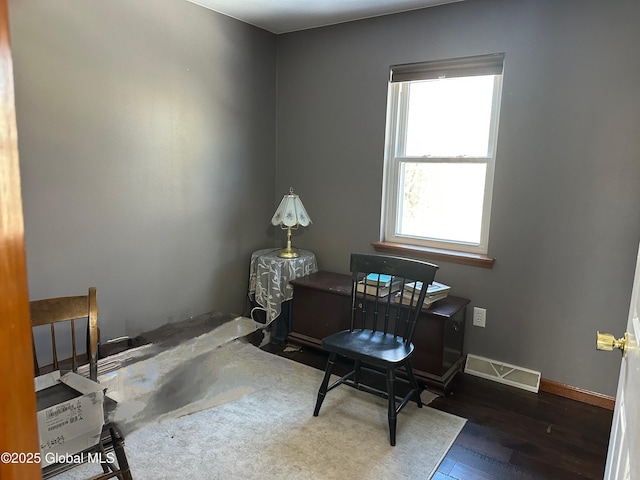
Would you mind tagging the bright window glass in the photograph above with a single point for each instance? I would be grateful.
(449, 117)
(430, 197)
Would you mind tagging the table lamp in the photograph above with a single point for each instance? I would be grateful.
(289, 215)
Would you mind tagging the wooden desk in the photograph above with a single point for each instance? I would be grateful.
(321, 306)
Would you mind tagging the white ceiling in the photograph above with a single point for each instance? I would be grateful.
(282, 16)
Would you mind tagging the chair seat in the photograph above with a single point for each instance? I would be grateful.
(369, 346)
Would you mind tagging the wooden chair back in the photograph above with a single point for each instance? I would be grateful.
(384, 312)
(51, 311)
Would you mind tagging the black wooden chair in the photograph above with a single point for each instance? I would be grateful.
(379, 337)
(53, 311)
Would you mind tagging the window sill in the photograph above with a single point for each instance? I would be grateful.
(435, 254)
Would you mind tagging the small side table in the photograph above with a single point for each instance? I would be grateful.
(269, 288)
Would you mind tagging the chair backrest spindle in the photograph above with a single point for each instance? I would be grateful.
(74, 353)
(386, 307)
(54, 351)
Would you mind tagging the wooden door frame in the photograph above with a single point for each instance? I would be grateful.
(18, 425)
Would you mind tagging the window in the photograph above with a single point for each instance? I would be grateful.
(442, 126)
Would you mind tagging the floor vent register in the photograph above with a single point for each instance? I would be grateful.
(503, 373)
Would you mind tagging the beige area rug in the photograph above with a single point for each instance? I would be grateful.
(249, 416)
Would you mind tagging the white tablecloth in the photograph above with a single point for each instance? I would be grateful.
(270, 275)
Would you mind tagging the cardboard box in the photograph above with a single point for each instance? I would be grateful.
(70, 415)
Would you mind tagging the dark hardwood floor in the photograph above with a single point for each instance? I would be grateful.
(511, 434)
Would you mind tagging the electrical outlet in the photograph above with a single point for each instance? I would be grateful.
(480, 317)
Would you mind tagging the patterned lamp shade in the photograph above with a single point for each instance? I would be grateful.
(291, 212)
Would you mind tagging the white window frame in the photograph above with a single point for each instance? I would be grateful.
(397, 111)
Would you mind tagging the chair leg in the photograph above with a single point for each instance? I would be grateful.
(356, 374)
(121, 456)
(414, 385)
(106, 465)
(325, 384)
(105, 461)
(391, 380)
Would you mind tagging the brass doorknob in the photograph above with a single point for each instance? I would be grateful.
(606, 341)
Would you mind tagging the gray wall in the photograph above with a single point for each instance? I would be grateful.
(147, 150)
(142, 123)
(565, 226)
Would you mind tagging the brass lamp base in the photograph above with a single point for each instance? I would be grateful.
(288, 251)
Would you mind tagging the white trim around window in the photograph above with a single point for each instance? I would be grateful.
(440, 195)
